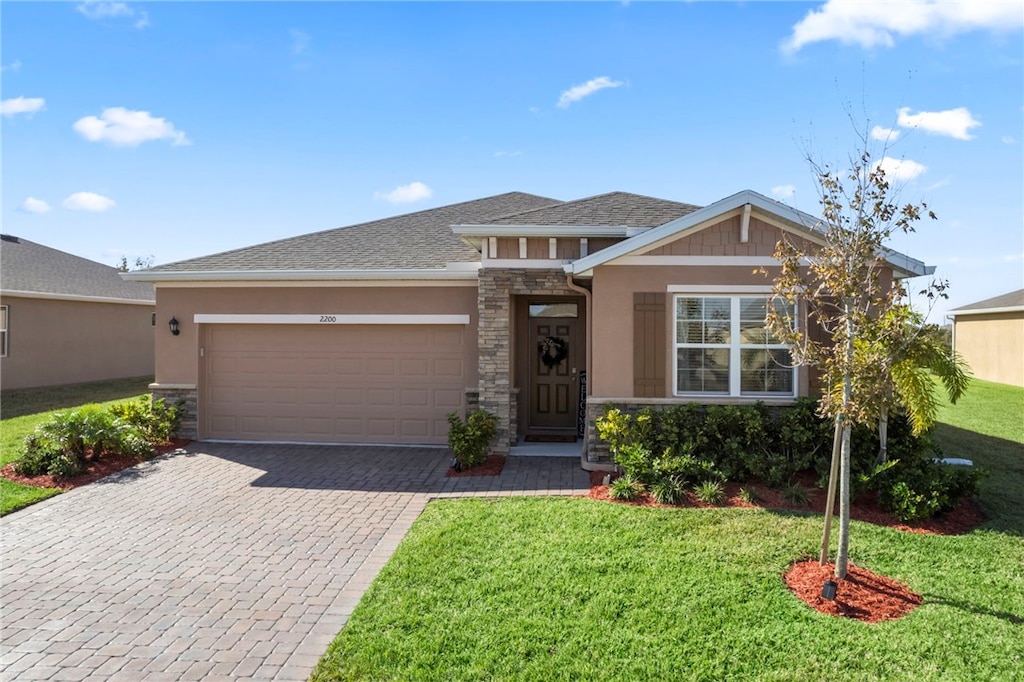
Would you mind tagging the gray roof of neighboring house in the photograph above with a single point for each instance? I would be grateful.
(604, 210)
(1014, 299)
(421, 240)
(29, 267)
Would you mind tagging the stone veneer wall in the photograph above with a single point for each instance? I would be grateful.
(494, 305)
(189, 409)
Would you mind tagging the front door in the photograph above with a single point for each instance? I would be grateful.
(553, 372)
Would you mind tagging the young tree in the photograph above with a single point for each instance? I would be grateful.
(140, 263)
(849, 296)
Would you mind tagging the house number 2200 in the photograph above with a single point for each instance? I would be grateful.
(328, 318)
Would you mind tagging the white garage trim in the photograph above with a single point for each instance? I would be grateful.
(330, 318)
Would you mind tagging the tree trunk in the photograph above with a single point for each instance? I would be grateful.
(843, 552)
(883, 436)
(830, 504)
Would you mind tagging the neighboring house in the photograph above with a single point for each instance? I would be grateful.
(989, 335)
(540, 311)
(67, 320)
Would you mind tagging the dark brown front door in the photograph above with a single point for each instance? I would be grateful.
(553, 373)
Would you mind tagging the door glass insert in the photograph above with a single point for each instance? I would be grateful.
(554, 310)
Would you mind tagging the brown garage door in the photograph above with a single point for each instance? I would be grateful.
(332, 383)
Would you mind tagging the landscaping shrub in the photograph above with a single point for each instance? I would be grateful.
(44, 457)
(710, 492)
(154, 418)
(668, 490)
(469, 440)
(625, 487)
(794, 493)
(694, 444)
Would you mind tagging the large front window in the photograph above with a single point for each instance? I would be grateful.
(723, 348)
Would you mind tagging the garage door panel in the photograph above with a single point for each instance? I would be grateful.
(448, 399)
(414, 397)
(333, 383)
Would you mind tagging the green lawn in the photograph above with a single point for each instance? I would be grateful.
(22, 410)
(561, 589)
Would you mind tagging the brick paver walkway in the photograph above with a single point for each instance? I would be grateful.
(228, 562)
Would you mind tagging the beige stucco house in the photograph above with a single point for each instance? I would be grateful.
(989, 335)
(539, 310)
(67, 320)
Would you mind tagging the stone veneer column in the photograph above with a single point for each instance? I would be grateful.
(494, 339)
(189, 397)
(494, 359)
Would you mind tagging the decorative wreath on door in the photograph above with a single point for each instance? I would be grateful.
(552, 351)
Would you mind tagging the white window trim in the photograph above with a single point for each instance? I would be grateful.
(735, 349)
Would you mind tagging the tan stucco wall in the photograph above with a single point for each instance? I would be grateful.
(54, 342)
(177, 357)
(612, 340)
(993, 346)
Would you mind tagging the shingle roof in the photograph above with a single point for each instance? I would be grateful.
(605, 210)
(421, 240)
(1014, 299)
(30, 267)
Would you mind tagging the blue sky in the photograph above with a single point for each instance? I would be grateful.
(182, 129)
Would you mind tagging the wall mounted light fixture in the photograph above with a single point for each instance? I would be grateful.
(173, 324)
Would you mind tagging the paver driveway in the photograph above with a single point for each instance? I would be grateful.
(225, 562)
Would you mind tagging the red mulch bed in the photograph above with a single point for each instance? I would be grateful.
(95, 469)
(492, 466)
(862, 595)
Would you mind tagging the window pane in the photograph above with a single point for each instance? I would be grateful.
(717, 309)
(690, 332)
(753, 333)
(703, 370)
(766, 371)
(716, 332)
(3, 317)
(553, 310)
(689, 308)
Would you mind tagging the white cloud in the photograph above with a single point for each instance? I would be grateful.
(1006, 139)
(33, 205)
(884, 134)
(89, 201)
(784, 191)
(13, 66)
(22, 105)
(405, 194)
(955, 123)
(871, 23)
(578, 92)
(500, 154)
(126, 128)
(899, 170)
(300, 42)
(97, 9)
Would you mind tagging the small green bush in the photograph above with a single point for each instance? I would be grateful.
(153, 418)
(710, 492)
(626, 487)
(794, 493)
(40, 457)
(749, 496)
(668, 490)
(469, 440)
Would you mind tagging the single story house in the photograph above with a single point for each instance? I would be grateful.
(989, 335)
(67, 320)
(538, 310)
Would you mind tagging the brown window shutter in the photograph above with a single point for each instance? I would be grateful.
(649, 345)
